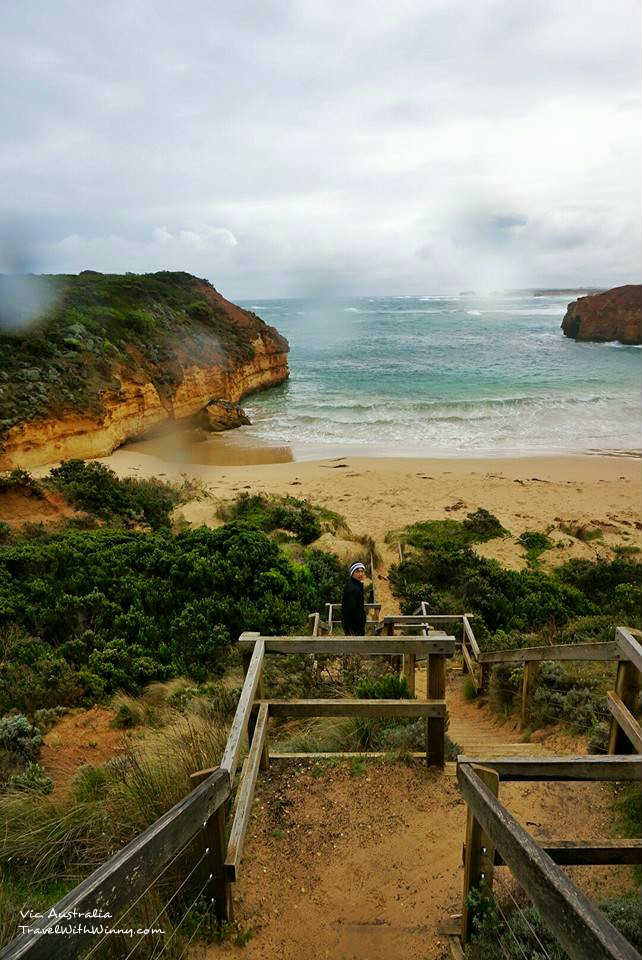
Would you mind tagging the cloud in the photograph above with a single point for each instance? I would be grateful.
(279, 146)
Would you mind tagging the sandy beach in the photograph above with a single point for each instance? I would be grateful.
(377, 495)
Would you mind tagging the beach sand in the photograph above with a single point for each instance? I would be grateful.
(377, 495)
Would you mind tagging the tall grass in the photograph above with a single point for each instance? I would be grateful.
(52, 842)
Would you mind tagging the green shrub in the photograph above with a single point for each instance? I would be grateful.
(451, 577)
(483, 525)
(90, 783)
(126, 717)
(535, 543)
(85, 613)
(273, 513)
(389, 686)
(19, 736)
(46, 718)
(20, 481)
(95, 488)
(511, 934)
(33, 779)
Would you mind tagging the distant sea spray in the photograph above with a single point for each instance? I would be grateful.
(445, 375)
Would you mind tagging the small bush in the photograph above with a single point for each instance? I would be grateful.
(33, 779)
(127, 717)
(19, 736)
(483, 525)
(95, 488)
(275, 513)
(390, 686)
(20, 481)
(90, 783)
(535, 543)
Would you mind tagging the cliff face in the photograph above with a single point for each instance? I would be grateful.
(95, 374)
(613, 315)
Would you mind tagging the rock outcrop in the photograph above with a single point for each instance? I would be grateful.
(221, 415)
(146, 350)
(613, 315)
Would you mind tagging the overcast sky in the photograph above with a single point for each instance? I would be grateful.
(315, 147)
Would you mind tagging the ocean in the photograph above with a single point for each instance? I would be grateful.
(437, 376)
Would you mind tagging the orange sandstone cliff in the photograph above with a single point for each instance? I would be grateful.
(120, 355)
(613, 315)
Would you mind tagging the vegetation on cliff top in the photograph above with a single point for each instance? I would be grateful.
(99, 325)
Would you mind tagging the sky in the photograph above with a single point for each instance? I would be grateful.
(287, 148)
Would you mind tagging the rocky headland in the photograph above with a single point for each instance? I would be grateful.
(613, 315)
(115, 357)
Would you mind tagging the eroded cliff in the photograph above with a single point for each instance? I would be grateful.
(119, 355)
(613, 315)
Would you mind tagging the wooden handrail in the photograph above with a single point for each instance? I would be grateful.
(468, 630)
(575, 922)
(357, 646)
(230, 758)
(629, 646)
(612, 768)
(563, 651)
(245, 796)
(343, 707)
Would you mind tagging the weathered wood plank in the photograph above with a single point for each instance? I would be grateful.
(357, 708)
(468, 630)
(627, 688)
(570, 853)
(218, 889)
(245, 796)
(436, 725)
(630, 646)
(409, 666)
(415, 619)
(471, 669)
(563, 651)
(116, 883)
(580, 927)
(479, 855)
(455, 947)
(625, 720)
(230, 758)
(531, 668)
(358, 646)
(612, 768)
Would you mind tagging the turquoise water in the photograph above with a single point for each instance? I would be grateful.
(439, 375)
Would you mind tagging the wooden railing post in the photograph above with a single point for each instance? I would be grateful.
(479, 855)
(531, 668)
(627, 687)
(436, 726)
(409, 665)
(220, 891)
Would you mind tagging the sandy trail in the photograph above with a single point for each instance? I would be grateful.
(345, 860)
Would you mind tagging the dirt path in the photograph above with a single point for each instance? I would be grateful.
(361, 861)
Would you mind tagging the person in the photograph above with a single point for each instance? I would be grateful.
(353, 610)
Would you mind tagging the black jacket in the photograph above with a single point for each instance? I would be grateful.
(353, 611)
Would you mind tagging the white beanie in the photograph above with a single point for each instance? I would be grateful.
(357, 566)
